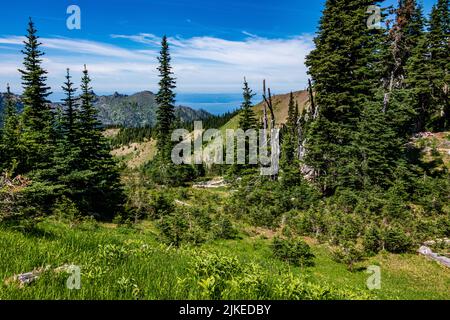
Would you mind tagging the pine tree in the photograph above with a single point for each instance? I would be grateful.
(166, 100)
(37, 118)
(419, 73)
(9, 139)
(344, 69)
(70, 118)
(247, 118)
(406, 57)
(290, 138)
(439, 42)
(290, 165)
(403, 38)
(100, 192)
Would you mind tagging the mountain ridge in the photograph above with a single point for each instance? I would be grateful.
(136, 110)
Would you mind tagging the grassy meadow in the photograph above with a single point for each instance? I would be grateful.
(128, 262)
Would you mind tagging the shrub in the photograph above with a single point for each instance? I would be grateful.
(372, 240)
(348, 253)
(397, 241)
(161, 205)
(224, 229)
(65, 210)
(173, 228)
(294, 251)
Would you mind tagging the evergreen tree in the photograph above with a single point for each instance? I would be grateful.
(403, 37)
(9, 152)
(166, 100)
(407, 65)
(37, 119)
(290, 164)
(292, 114)
(439, 42)
(100, 192)
(247, 118)
(70, 119)
(290, 137)
(419, 86)
(344, 69)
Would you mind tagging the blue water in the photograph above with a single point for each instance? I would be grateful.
(213, 103)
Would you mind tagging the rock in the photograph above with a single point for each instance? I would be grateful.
(426, 251)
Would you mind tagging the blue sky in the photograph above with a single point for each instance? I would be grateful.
(214, 43)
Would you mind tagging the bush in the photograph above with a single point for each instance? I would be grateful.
(348, 253)
(224, 229)
(372, 240)
(397, 241)
(294, 251)
(65, 210)
(161, 205)
(173, 228)
(170, 174)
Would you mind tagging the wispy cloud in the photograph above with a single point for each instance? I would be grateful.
(201, 64)
(251, 35)
(145, 38)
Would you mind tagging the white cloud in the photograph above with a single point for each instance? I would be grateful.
(201, 64)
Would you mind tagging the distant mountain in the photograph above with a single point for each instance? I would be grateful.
(135, 110)
(138, 109)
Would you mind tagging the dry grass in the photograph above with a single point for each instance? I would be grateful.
(136, 154)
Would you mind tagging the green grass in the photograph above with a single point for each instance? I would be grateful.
(121, 263)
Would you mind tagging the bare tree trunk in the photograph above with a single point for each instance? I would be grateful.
(269, 105)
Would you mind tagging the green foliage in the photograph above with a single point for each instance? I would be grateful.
(344, 69)
(9, 135)
(225, 277)
(247, 118)
(348, 253)
(161, 205)
(223, 228)
(263, 203)
(37, 136)
(397, 241)
(166, 101)
(294, 251)
(372, 240)
(66, 211)
(166, 173)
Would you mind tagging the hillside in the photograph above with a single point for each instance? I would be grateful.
(134, 110)
(138, 109)
(281, 105)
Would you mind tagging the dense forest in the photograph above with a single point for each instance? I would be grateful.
(357, 171)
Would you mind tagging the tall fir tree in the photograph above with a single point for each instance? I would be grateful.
(100, 190)
(403, 37)
(418, 83)
(290, 165)
(70, 119)
(10, 133)
(345, 73)
(68, 164)
(166, 101)
(247, 118)
(290, 137)
(439, 44)
(37, 119)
